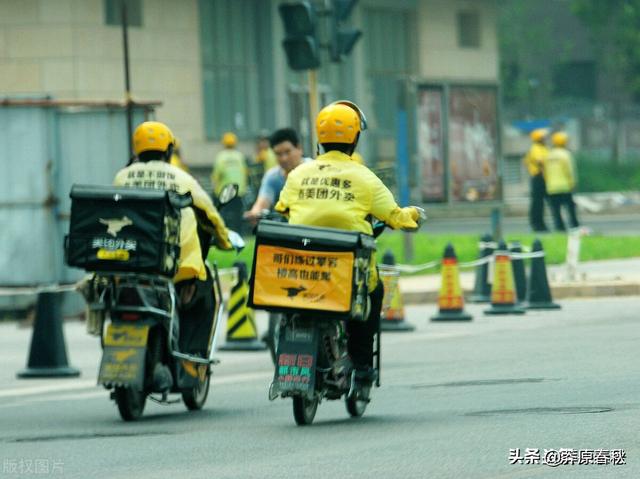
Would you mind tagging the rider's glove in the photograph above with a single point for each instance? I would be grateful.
(418, 215)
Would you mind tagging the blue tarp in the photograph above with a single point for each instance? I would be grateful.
(527, 126)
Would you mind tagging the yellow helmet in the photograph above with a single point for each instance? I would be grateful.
(559, 138)
(538, 134)
(152, 136)
(340, 122)
(229, 139)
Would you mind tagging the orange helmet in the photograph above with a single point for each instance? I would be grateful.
(229, 139)
(340, 122)
(559, 138)
(152, 136)
(538, 134)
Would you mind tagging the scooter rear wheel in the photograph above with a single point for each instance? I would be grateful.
(130, 402)
(304, 410)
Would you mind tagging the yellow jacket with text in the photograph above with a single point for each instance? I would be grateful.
(535, 158)
(336, 192)
(559, 176)
(161, 175)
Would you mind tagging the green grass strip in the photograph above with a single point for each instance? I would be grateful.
(429, 247)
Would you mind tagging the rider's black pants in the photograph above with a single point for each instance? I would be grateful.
(196, 316)
(361, 333)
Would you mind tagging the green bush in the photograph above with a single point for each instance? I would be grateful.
(595, 174)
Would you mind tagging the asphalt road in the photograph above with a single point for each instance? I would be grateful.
(455, 399)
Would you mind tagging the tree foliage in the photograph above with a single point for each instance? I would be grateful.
(520, 48)
(615, 29)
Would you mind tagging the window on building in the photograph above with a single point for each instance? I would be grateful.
(387, 42)
(389, 48)
(113, 12)
(468, 29)
(237, 66)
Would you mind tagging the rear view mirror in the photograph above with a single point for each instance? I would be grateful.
(228, 193)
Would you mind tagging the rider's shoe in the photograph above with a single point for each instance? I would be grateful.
(162, 379)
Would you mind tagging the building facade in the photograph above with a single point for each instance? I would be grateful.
(218, 65)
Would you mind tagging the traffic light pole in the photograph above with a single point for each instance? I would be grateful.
(313, 105)
(127, 82)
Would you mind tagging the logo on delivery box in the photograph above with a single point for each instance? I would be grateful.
(114, 225)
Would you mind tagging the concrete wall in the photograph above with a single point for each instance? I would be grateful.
(440, 57)
(65, 49)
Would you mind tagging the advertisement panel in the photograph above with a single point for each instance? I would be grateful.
(473, 143)
(431, 144)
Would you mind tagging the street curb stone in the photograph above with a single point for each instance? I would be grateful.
(558, 291)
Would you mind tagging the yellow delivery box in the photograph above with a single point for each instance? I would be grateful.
(305, 268)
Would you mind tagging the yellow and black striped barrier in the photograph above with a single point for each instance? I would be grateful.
(242, 333)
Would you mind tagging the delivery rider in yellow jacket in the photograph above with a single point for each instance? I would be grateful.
(534, 162)
(560, 180)
(153, 145)
(335, 191)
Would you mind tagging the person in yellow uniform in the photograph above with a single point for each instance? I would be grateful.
(534, 162)
(265, 155)
(357, 157)
(153, 145)
(176, 157)
(335, 191)
(230, 167)
(560, 180)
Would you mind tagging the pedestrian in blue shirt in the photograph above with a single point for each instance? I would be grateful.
(286, 145)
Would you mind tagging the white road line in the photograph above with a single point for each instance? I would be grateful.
(90, 385)
(44, 389)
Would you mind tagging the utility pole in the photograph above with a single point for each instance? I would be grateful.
(302, 43)
(127, 83)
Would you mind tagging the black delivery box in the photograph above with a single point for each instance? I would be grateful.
(124, 229)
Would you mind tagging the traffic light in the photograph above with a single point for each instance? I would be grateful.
(342, 39)
(301, 43)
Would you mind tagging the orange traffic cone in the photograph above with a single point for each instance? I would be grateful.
(450, 301)
(503, 293)
(392, 318)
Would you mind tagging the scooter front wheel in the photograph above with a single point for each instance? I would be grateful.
(355, 407)
(130, 402)
(195, 397)
(304, 410)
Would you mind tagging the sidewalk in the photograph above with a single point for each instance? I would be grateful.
(619, 277)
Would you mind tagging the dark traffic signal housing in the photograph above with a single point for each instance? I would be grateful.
(343, 38)
(301, 43)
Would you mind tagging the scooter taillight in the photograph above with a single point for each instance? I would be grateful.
(130, 316)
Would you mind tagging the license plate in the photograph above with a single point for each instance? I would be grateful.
(126, 335)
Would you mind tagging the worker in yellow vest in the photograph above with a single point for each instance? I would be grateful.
(534, 162)
(560, 180)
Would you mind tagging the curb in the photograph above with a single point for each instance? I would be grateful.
(558, 291)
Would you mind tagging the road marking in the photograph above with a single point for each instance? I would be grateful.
(43, 389)
(87, 384)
